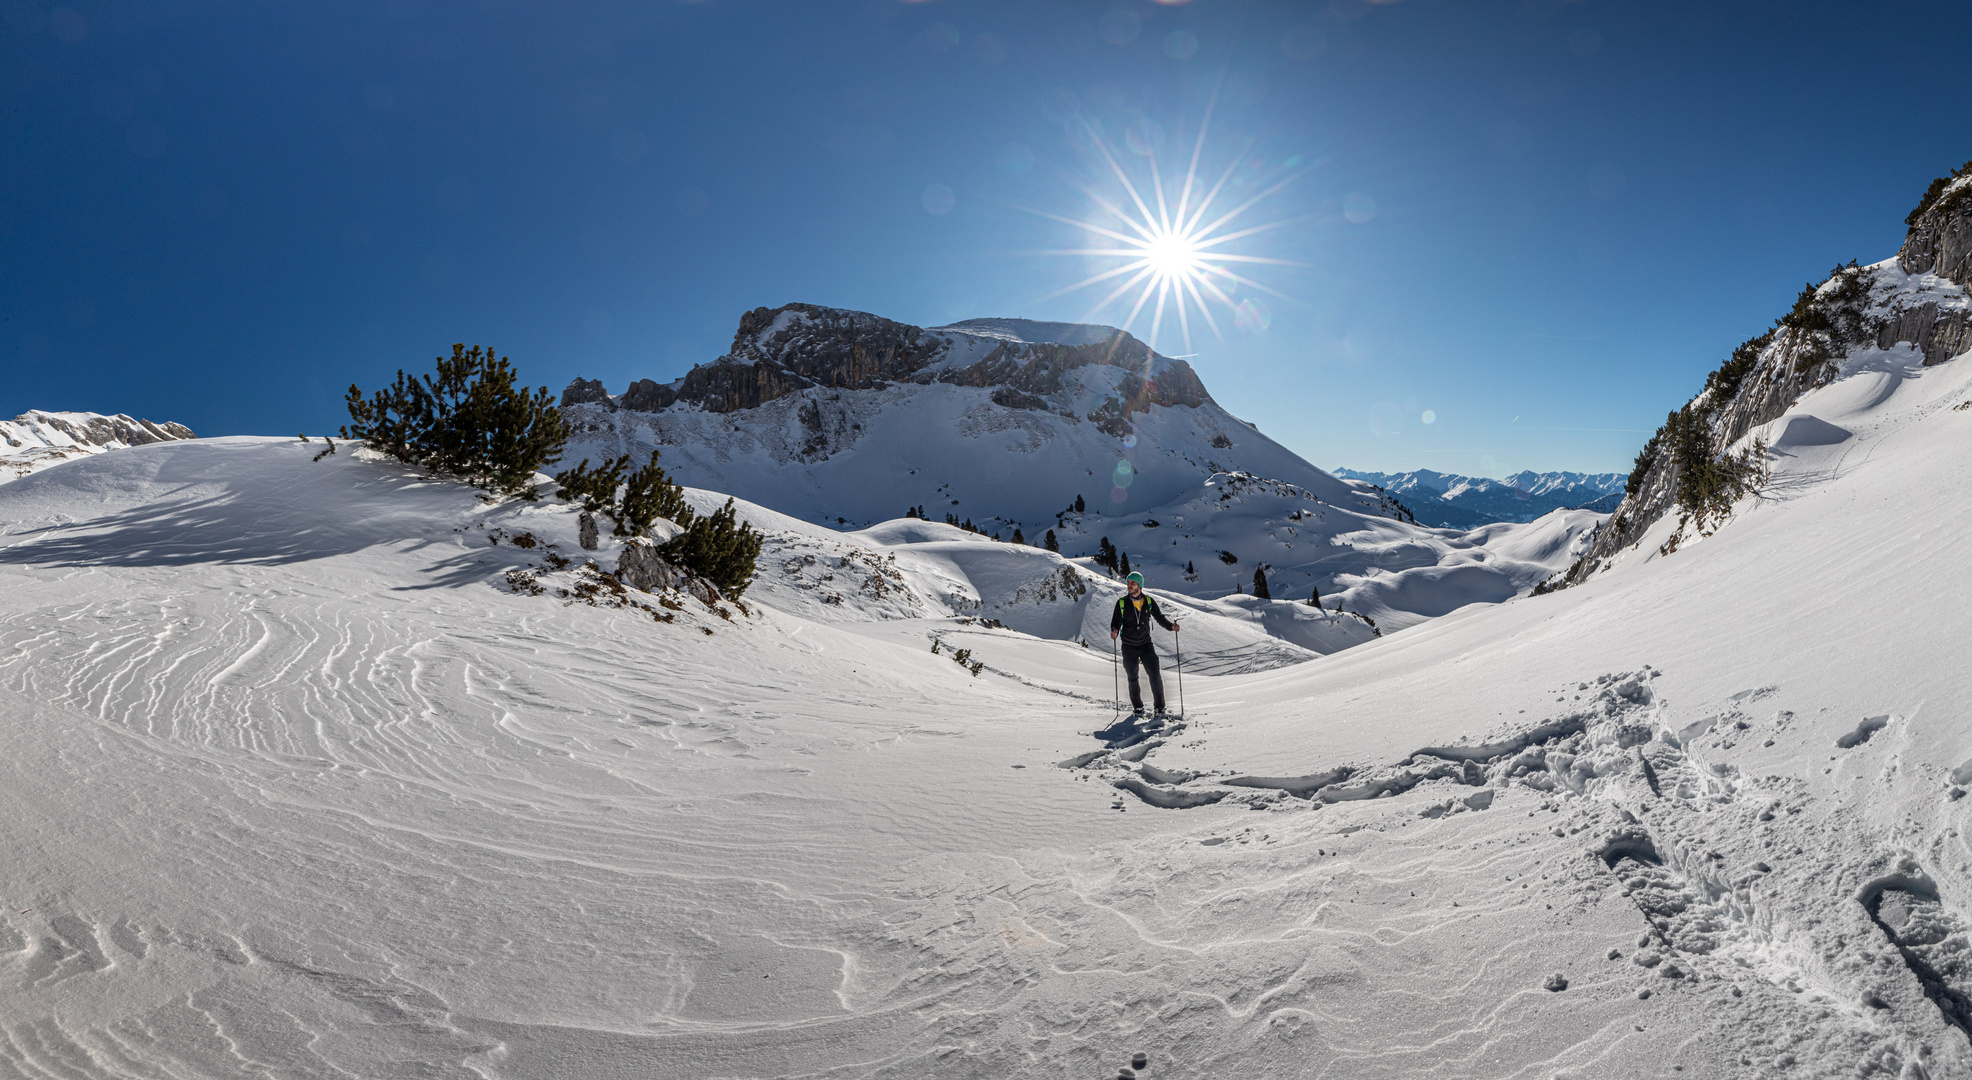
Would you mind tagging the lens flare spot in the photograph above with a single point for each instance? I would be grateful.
(1252, 316)
(1130, 441)
(1429, 417)
(1117, 494)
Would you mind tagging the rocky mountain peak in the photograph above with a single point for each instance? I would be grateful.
(1027, 364)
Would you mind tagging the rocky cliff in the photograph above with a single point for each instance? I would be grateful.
(1697, 463)
(778, 352)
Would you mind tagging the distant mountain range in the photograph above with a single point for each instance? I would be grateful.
(1449, 501)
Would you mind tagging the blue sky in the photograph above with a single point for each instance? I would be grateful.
(1540, 222)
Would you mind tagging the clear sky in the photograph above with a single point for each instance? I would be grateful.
(1540, 223)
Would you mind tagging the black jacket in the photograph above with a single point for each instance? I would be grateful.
(1134, 624)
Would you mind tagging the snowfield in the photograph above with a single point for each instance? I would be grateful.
(302, 777)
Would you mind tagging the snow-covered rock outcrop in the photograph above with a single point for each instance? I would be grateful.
(35, 440)
(1862, 321)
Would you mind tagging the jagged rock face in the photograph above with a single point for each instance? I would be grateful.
(646, 395)
(1940, 240)
(586, 392)
(782, 351)
(1941, 338)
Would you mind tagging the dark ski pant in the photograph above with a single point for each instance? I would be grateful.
(1147, 656)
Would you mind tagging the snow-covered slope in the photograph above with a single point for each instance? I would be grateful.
(299, 783)
(849, 419)
(35, 440)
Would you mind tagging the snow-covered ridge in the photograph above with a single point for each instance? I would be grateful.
(35, 440)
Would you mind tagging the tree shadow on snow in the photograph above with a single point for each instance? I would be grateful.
(240, 526)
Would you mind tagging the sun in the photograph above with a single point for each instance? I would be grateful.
(1172, 242)
(1172, 255)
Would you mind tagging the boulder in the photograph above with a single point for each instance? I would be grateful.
(642, 567)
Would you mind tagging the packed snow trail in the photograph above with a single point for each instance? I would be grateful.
(298, 785)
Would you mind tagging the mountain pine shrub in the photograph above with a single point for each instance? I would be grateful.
(1050, 542)
(648, 493)
(1260, 583)
(470, 419)
(717, 549)
(1708, 485)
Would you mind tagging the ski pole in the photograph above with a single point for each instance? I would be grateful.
(1115, 679)
(1178, 639)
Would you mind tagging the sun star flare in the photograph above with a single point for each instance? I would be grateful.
(1169, 245)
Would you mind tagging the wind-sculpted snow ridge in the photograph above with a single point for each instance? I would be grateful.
(35, 440)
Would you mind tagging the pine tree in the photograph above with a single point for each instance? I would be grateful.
(1123, 563)
(1106, 555)
(470, 419)
(1188, 570)
(648, 493)
(714, 549)
(1017, 537)
(1314, 596)
(1260, 583)
(1050, 542)
(1079, 507)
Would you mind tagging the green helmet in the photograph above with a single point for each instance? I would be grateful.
(1134, 576)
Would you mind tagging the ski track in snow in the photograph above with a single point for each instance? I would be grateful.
(295, 787)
